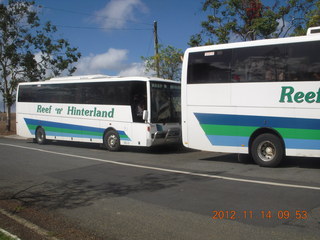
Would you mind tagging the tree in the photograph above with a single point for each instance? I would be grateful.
(250, 19)
(312, 19)
(169, 59)
(314, 16)
(28, 50)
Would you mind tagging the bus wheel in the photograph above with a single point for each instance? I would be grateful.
(112, 140)
(41, 136)
(267, 150)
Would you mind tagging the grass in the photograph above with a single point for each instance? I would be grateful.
(5, 237)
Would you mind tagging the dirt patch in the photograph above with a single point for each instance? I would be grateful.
(56, 225)
(3, 120)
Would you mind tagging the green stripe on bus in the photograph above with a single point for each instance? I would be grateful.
(299, 133)
(64, 130)
(227, 130)
(244, 131)
(72, 131)
(32, 127)
(123, 136)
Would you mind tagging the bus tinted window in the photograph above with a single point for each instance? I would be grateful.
(47, 93)
(209, 67)
(258, 64)
(105, 93)
(27, 93)
(283, 62)
(303, 63)
(79, 93)
(165, 102)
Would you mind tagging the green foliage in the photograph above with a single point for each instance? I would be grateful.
(28, 49)
(230, 20)
(312, 18)
(5, 237)
(169, 59)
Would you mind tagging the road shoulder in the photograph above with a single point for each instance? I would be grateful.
(28, 222)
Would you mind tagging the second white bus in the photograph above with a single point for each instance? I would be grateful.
(115, 111)
(258, 97)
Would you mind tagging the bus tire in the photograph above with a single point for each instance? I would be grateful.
(112, 141)
(267, 150)
(41, 136)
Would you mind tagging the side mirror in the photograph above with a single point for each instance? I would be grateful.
(145, 115)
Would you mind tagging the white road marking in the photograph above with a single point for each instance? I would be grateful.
(167, 169)
(11, 236)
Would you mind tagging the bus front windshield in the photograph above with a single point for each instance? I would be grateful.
(165, 102)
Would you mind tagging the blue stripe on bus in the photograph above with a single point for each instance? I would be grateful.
(63, 125)
(238, 141)
(75, 135)
(302, 144)
(64, 134)
(121, 132)
(123, 135)
(231, 141)
(257, 121)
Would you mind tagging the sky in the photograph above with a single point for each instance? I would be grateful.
(112, 35)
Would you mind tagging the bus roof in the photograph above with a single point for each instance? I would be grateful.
(98, 78)
(313, 34)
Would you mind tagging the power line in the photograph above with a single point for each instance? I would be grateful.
(102, 28)
(92, 15)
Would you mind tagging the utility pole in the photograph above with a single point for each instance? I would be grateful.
(156, 47)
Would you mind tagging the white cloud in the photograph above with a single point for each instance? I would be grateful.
(117, 12)
(112, 60)
(134, 69)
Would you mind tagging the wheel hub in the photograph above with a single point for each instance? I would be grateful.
(267, 151)
(112, 140)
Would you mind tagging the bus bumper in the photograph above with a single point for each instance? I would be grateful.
(170, 136)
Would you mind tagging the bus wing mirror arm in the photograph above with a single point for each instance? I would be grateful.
(145, 115)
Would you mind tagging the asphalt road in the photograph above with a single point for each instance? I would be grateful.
(163, 193)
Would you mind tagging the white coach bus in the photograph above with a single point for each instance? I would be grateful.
(115, 111)
(258, 97)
